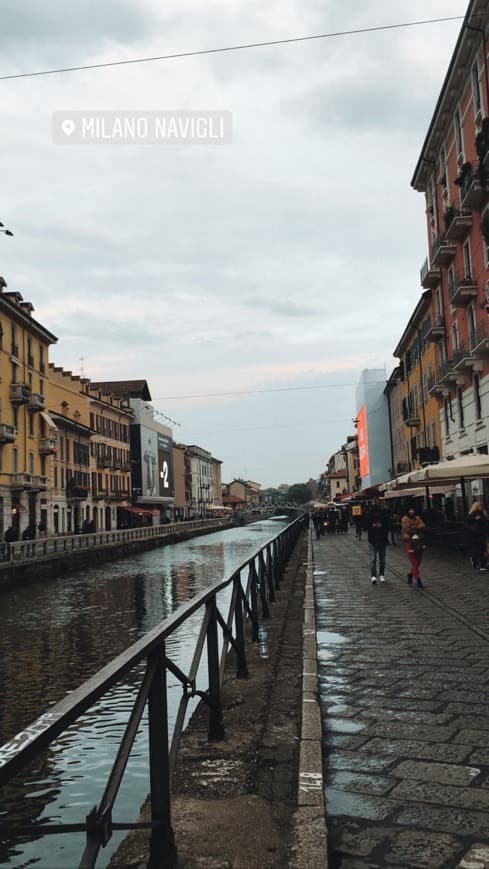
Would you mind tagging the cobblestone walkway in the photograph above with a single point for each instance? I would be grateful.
(404, 683)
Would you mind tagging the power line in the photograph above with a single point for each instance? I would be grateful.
(227, 48)
(261, 391)
(276, 425)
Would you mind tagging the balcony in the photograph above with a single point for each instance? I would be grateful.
(98, 494)
(433, 384)
(442, 251)
(436, 329)
(430, 277)
(402, 467)
(411, 418)
(19, 393)
(21, 481)
(104, 461)
(462, 291)
(48, 446)
(127, 466)
(36, 402)
(8, 433)
(14, 351)
(479, 342)
(39, 484)
(447, 372)
(30, 360)
(76, 491)
(473, 194)
(463, 359)
(459, 227)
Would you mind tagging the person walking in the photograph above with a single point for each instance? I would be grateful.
(357, 516)
(477, 524)
(377, 530)
(412, 527)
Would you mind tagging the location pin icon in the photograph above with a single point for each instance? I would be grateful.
(68, 127)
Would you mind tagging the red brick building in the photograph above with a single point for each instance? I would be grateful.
(453, 173)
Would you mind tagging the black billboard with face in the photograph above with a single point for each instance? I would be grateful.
(165, 467)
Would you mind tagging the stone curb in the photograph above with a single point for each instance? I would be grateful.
(311, 839)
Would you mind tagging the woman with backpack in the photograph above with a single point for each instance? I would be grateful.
(412, 527)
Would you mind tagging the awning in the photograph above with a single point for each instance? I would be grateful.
(139, 510)
(48, 420)
(418, 492)
(473, 466)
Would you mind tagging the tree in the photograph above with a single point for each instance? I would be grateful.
(300, 493)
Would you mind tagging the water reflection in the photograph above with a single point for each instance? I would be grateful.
(53, 636)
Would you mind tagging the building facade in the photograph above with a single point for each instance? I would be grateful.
(26, 442)
(413, 408)
(453, 174)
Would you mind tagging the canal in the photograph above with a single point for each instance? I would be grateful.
(57, 633)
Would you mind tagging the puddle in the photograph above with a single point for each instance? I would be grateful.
(319, 573)
(355, 806)
(344, 725)
(329, 638)
(360, 783)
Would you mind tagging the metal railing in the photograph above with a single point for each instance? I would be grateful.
(249, 601)
(24, 550)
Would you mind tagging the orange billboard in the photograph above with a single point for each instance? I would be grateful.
(362, 441)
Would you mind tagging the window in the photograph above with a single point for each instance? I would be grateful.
(31, 425)
(41, 386)
(31, 463)
(15, 417)
(455, 341)
(451, 282)
(471, 326)
(55, 476)
(14, 373)
(443, 167)
(458, 134)
(16, 460)
(476, 89)
(62, 478)
(460, 408)
(467, 259)
(447, 421)
(477, 396)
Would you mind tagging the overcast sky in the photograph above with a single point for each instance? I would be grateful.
(287, 259)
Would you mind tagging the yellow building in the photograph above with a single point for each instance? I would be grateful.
(25, 443)
(412, 398)
(90, 483)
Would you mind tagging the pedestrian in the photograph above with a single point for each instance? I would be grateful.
(317, 521)
(357, 516)
(331, 517)
(477, 524)
(412, 528)
(377, 531)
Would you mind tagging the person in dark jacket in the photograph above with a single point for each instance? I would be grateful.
(477, 524)
(377, 525)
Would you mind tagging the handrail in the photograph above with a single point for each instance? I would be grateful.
(41, 547)
(265, 572)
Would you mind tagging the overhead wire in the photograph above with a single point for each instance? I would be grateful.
(239, 47)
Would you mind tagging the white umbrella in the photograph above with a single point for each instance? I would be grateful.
(474, 467)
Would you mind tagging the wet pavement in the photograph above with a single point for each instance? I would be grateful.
(404, 685)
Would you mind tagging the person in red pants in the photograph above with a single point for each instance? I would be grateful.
(412, 527)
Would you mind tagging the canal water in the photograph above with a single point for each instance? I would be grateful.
(57, 633)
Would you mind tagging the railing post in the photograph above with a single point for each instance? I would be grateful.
(269, 573)
(276, 566)
(163, 854)
(241, 668)
(216, 726)
(254, 601)
(265, 610)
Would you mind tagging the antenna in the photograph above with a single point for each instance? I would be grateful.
(82, 367)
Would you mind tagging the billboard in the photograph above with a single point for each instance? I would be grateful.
(165, 467)
(363, 441)
(156, 465)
